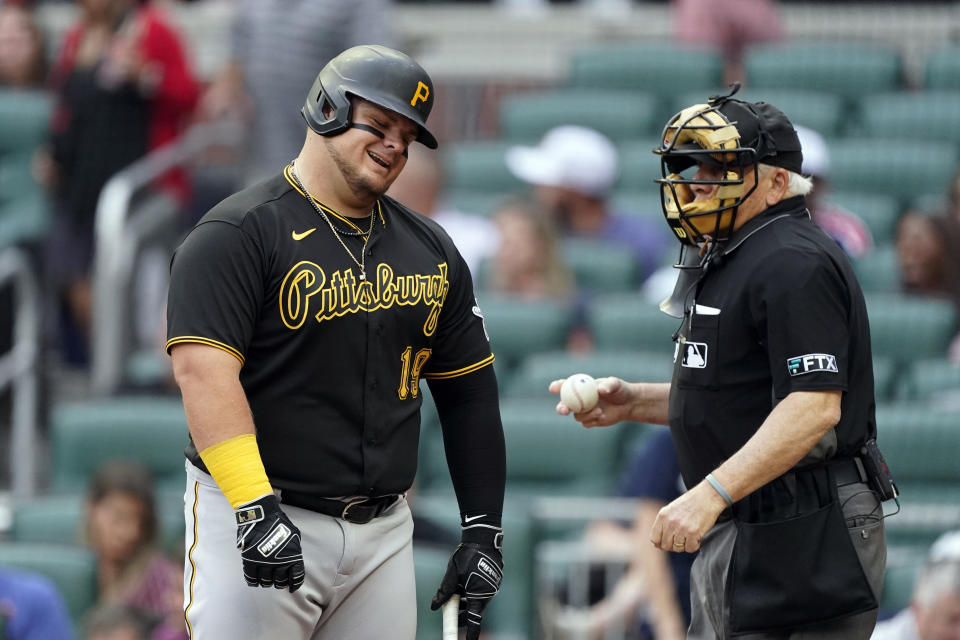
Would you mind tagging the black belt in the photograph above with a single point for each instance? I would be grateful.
(360, 511)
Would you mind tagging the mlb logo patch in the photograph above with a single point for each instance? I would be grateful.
(694, 355)
(799, 365)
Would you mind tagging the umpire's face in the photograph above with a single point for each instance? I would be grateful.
(369, 163)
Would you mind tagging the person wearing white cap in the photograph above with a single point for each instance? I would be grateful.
(845, 227)
(573, 170)
(934, 611)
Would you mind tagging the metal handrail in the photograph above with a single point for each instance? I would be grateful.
(18, 369)
(117, 234)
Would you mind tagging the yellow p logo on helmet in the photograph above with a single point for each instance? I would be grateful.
(422, 93)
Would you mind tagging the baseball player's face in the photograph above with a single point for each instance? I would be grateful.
(368, 162)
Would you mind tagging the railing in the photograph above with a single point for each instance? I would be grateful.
(18, 369)
(119, 231)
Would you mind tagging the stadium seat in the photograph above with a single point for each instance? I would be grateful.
(72, 569)
(475, 202)
(429, 565)
(58, 518)
(617, 114)
(908, 328)
(879, 212)
(942, 69)
(926, 380)
(599, 267)
(480, 167)
(519, 327)
(536, 372)
(847, 70)
(878, 270)
(898, 584)
(914, 115)
(24, 120)
(151, 430)
(623, 321)
(660, 67)
(640, 166)
(900, 168)
(886, 373)
(920, 445)
(819, 110)
(24, 124)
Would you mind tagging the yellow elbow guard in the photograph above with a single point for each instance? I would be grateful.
(236, 466)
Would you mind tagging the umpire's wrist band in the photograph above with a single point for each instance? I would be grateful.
(236, 467)
(719, 489)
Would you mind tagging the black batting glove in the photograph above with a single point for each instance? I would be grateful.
(269, 545)
(475, 571)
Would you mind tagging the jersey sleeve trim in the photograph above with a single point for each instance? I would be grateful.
(444, 375)
(207, 341)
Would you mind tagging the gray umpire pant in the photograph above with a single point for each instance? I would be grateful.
(863, 514)
(359, 585)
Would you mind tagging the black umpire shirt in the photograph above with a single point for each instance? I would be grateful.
(330, 364)
(781, 311)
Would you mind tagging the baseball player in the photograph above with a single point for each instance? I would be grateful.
(303, 312)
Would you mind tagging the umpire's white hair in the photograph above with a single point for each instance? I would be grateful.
(798, 185)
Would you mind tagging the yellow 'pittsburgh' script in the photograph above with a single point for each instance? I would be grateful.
(306, 284)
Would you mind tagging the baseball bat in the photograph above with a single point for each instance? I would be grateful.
(451, 613)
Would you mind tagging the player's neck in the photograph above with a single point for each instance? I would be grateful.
(326, 184)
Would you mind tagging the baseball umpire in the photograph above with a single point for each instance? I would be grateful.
(303, 312)
(771, 405)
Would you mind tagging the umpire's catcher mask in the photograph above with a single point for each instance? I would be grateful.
(735, 137)
(383, 76)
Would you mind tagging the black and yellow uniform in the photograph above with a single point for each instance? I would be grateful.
(331, 363)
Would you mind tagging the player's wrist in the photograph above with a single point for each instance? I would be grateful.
(237, 468)
(482, 534)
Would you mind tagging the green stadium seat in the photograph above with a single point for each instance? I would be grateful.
(639, 166)
(536, 372)
(886, 372)
(24, 120)
(475, 202)
(942, 69)
(24, 219)
(83, 436)
(898, 583)
(643, 203)
(623, 321)
(929, 379)
(660, 67)
(599, 267)
(920, 445)
(847, 70)
(59, 519)
(429, 565)
(617, 114)
(900, 168)
(72, 569)
(519, 327)
(878, 270)
(480, 166)
(915, 115)
(819, 110)
(879, 212)
(908, 328)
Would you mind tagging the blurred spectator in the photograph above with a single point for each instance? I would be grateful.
(123, 88)
(23, 62)
(528, 262)
(276, 47)
(845, 227)
(31, 607)
(731, 28)
(420, 187)
(652, 599)
(122, 531)
(116, 622)
(929, 262)
(573, 171)
(934, 611)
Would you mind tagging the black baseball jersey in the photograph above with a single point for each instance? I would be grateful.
(780, 312)
(331, 363)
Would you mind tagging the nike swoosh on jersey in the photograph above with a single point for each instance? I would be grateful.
(472, 518)
(301, 236)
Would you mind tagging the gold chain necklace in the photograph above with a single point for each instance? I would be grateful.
(363, 251)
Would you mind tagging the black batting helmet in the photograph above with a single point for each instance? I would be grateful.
(383, 76)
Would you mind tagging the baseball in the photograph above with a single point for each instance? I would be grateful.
(579, 392)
